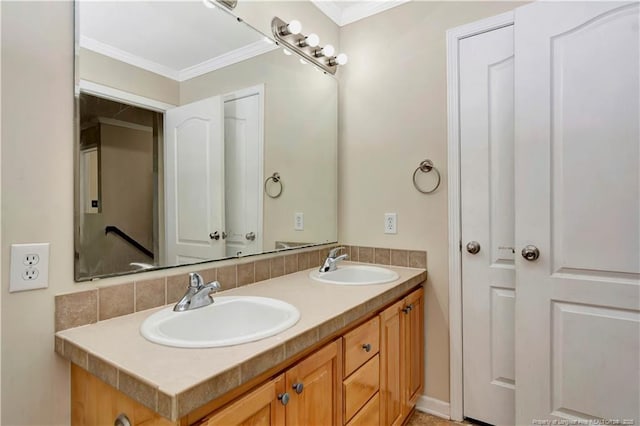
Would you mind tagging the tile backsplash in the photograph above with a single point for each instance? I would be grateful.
(89, 306)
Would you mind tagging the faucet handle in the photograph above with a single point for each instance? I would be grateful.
(195, 280)
(334, 251)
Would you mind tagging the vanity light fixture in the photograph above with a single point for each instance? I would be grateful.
(229, 4)
(209, 4)
(307, 46)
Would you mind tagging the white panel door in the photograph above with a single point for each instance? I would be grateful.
(243, 173)
(577, 152)
(194, 175)
(487, 219)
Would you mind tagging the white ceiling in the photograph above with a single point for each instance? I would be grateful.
(179, 40)
(344, 12)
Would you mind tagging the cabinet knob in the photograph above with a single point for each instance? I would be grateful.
(122, 420)
(407, 308)
(298, 387)
(284, 398)
(367, 347)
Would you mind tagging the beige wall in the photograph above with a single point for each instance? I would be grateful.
(300, 140)
(119, 75)
(393, 115)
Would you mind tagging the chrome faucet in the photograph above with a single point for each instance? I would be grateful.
(332, 259)
(197, 294)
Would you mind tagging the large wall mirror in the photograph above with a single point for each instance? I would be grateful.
(197, 139)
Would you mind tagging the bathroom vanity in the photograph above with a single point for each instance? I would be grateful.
(355, 357)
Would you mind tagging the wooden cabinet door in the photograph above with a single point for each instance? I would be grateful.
(260, 407)
(318, 399)
(413, 348)
(391, 356)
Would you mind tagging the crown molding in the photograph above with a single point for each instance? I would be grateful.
(249, 51)
(357, 11)
(254, 49)
(126, 57)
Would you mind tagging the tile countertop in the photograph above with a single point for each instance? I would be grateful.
(175, 381)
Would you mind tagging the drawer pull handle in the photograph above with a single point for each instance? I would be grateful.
(122, 420)
(298, 387)
(367, 347)
(284, 398)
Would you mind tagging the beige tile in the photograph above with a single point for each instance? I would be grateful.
(382, 256)
(165, 405)
(227, 277)
(327, 328)
(354, 314)
(261, 363)
(150, 294)
(365, 254)
(208, 391)
(399, 257)
(76, 309)
(301, 342)
(277, 266)
(142, 392)
(105, 372)
(262, 270)
(246, 273)
(303, 261)
(59, 345)
(418, 259)
(354, 254)
(290, 263)
(209, 275)
(115, 301)
(75, 354)
(176, 287)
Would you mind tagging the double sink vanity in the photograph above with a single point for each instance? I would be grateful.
(309, 348)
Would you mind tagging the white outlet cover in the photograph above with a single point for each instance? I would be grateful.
(298, 221)
(23, 267)
(390, 223)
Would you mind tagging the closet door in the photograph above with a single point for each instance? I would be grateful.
(577, 188)
(487, 225)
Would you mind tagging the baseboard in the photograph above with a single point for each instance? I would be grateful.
(433, 406)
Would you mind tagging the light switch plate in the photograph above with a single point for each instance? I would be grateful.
(29, 267)
(298, 221)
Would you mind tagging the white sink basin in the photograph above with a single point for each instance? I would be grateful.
(355, 275)
(229, 320)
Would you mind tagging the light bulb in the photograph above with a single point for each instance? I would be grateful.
(342, 59)
(303, 62)
(328, 50)
(287, 52)
(294, 27)
(313, 40)
(209, 4)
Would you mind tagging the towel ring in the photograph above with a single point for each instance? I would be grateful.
(275, 177)
(425, 167)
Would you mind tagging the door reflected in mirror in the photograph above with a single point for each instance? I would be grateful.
(178, 139)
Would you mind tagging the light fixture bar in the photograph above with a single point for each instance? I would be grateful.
(229, 4)
(293, 43)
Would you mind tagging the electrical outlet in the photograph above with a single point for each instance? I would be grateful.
(298, 221)
(390, 223)
(29, 267)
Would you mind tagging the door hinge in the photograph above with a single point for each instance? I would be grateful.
(460, 245)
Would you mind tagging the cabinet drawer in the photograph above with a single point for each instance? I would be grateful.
(360, 386)
(369, 415)
(361, 344)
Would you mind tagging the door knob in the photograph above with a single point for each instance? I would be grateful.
(214, 235)
(530, 253)
(224, 235)
(473, 247)
(250, 236)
